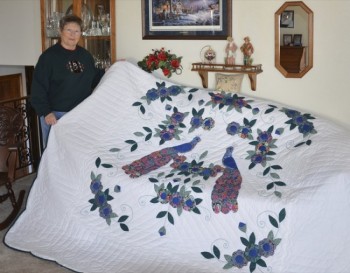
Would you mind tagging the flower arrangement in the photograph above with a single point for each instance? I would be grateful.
(163, 59)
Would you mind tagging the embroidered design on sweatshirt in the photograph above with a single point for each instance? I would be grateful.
(75, 66)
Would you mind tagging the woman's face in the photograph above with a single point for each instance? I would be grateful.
(70, 35)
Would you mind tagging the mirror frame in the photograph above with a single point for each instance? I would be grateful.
(310, 47)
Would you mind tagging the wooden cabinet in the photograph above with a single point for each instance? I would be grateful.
(292, 58)
(98, 26)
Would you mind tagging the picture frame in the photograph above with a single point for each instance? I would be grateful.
(287, 19)
(287, 39)
(179, 20)
(297, 40)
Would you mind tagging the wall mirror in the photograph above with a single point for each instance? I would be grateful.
(294, 39)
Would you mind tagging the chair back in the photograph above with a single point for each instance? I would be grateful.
(11, 124)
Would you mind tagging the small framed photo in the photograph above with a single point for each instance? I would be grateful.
(287, 39)
(287, 19)
(297, 40)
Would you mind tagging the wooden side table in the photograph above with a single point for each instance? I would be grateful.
(293, 58)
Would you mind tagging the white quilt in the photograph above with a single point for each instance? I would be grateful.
(148, 176)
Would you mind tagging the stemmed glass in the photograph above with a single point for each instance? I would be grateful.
(103, 20)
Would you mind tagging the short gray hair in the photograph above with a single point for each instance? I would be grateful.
(71, 19)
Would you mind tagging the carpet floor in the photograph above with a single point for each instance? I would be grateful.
(14, 261)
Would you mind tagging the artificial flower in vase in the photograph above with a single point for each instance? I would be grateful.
(161, 59)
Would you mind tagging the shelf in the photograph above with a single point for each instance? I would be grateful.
(204, 68)
(96, 37)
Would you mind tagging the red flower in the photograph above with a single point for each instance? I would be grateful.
(152, 61)
(175, 63)
(152, 57)
(162, 56)
(166, 72)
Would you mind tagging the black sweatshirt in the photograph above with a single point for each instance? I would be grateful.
(62, 79)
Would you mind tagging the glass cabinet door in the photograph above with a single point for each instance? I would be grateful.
(98, 17)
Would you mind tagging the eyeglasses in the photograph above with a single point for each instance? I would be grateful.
(73, 32)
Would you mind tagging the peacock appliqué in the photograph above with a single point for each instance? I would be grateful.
(227, 186)
(159, 158)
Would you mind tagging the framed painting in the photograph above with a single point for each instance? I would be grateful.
(186, 19)
(287, 19)
(297, 40)
(287, 39)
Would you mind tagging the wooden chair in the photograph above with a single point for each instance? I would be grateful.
(11, 123)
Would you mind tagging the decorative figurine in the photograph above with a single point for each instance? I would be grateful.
(230, 50)
(248, 50)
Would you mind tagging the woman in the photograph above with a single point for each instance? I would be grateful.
(64, 76)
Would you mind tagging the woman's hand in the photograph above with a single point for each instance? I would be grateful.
(50, 119)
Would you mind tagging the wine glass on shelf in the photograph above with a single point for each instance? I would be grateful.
(97, 60)
(49, 27)
(103, 20)
(56, 17)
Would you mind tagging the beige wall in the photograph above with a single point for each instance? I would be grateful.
(324, 90)
(19, 32)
